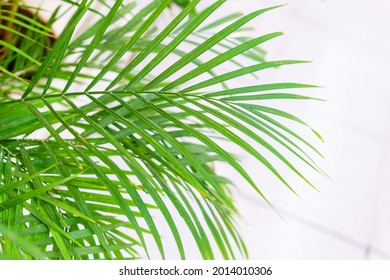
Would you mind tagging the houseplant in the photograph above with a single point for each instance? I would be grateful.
(100, 129)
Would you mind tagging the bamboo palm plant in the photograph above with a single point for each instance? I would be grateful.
(103, 129)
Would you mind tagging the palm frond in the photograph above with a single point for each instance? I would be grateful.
(128, 129)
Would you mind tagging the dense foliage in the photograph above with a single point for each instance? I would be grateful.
(116, 119)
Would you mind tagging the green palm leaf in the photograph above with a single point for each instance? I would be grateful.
(100, 132)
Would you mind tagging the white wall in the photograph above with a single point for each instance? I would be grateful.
(350, 219)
